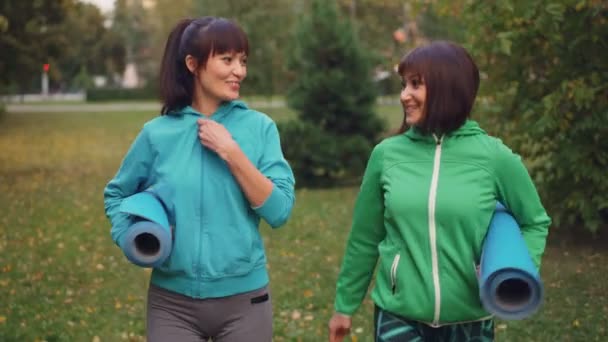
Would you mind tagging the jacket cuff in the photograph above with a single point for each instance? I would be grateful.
(271, 210)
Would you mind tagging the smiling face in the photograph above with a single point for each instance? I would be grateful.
(220, 80)
(413, 98)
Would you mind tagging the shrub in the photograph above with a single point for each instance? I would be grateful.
(322, 159)
(334, 95)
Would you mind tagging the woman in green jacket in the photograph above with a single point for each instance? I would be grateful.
(424, 207)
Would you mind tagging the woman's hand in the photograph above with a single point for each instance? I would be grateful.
(216, 137)
(339, 327)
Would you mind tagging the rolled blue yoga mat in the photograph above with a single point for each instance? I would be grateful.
(509, 284)
(147, 242)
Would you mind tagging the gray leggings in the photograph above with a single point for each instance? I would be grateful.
(178, 318)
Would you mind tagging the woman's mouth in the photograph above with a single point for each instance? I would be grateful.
(235, 86)
(410, 109)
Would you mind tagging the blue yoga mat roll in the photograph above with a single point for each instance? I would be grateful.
(509, 284)
(147, 242)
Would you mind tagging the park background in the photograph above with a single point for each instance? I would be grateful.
(77, 83)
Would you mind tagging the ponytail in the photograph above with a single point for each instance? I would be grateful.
(176, 81)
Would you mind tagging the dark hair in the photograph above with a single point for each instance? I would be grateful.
(452, 80)
(200, 38)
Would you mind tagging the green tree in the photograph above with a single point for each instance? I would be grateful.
(375, 23)
(546, 80)
(68, 35)
(132, 23)
(27, 24)
(89, 47)
(165, 14)
(442, 21)
(334, 95)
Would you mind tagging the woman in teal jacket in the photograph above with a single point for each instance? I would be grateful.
(424, 207)
(225, 170)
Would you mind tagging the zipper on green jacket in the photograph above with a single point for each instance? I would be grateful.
(394, 267)
(433, 229)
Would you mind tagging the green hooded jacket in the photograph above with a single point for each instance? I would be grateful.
(421, 216)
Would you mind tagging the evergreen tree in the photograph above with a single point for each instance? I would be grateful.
(334, 96)
(333, 86)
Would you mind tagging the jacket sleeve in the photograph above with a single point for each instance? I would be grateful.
(277, 207)
(367, 231)
(130, 179)
(517, 192)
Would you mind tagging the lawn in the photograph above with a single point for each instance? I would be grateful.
(62, 278)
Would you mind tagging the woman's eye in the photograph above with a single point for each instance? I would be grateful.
(227, 59)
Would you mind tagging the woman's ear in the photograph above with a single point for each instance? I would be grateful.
(191, 63)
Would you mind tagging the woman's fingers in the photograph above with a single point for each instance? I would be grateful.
(339, 327)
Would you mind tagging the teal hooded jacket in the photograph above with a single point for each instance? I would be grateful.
(217, 248)
(422, 214)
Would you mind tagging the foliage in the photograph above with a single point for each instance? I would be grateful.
(375, 23)
(134, 26)
(89, 48)
(68, 35)
(320, 158)
(63, 279)
(546, 77)
(334, 92)
(27, 24)
(442, 22)
(83, 80)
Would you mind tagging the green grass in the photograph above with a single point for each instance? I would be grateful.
(63, 279)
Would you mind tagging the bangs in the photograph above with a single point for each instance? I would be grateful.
(414, 63)
(223, 36)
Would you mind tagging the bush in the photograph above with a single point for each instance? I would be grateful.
(320, 159)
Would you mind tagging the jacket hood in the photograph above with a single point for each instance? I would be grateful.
(469, 128)
(223, 109)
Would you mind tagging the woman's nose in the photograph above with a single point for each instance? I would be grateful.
(240, 70)
(405, 94)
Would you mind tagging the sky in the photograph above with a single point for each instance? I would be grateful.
(104, 5)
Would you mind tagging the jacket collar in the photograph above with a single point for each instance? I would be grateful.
(470, 127)
(221, 111)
